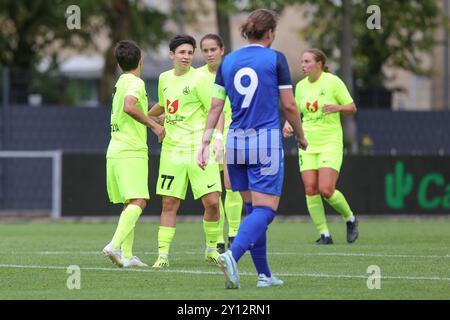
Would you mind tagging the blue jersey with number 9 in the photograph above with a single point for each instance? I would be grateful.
(252, 77)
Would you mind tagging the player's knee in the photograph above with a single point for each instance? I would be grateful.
(212, 214)
(142, 203)
(212, 207)
(326, 192)
(169, 205)
(311, 190)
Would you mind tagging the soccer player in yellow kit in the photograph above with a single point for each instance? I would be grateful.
(180, 98)
(321, 98)
(127, 155)
(212, 49)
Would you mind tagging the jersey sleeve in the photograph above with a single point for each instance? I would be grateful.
(283, 73)
(219, 91)
(135, 89)
(203, 91)
(341, 93)
(297, 96)
(160, 93)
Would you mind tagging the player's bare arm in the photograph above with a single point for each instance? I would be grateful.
(157, 114)
(218, 144)
(211, 122)
(156, 110)
(133, 111)
(288, 131)
(293, 116)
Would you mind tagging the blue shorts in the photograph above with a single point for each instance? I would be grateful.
(264, 175)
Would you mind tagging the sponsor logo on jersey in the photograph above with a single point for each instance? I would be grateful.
(312, 107)
(172, 107)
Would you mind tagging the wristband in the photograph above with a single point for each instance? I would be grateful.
(219, 135)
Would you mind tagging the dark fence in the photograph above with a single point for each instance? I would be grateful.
(404, 133)
(380, 132)
(26, 184)
(58, 128)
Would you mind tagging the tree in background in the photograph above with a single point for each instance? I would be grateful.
(125, 19)
(32, 30)
(339, 28)
(407, 32)
(225, 8)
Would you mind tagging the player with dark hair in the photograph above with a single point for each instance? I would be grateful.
(127, 155)
(180, 99)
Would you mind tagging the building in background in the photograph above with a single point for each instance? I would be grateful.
(81, 72)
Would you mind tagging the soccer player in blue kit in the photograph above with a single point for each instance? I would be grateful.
(254, 78)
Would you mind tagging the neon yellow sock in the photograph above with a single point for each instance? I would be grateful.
(127, 245)
(165, 236)
(212, 231)
(127, 221)
(221, 222)
(317, 212)
(233, 210)
(338, 202)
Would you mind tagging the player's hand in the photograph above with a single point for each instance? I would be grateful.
(160, 119)
(218, 151)
(160, 132)
(330, 108)
(288, 131)
(302, 143)
(203, 155)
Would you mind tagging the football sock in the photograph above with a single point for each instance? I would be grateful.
(317, 212)
(221, 222)
(165, 236)
(127, 221)
(259, 250)
(127, 245)
(259, 255)
(252, 227)
(233, 210)
(212, 231)
(338, 202)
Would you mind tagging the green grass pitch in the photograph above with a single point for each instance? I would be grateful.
(413, 256)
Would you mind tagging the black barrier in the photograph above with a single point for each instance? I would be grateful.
(84, 188)
(371, 184)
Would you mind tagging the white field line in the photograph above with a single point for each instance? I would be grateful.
(338, 254)
(313, 275)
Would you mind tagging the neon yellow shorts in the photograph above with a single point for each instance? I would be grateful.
(315, 161)
(126, 179)
(177, 169)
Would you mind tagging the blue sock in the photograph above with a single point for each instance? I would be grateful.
(259, 255)
(259, 250)
(253, 226)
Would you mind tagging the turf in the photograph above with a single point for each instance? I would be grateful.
(413, 256)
